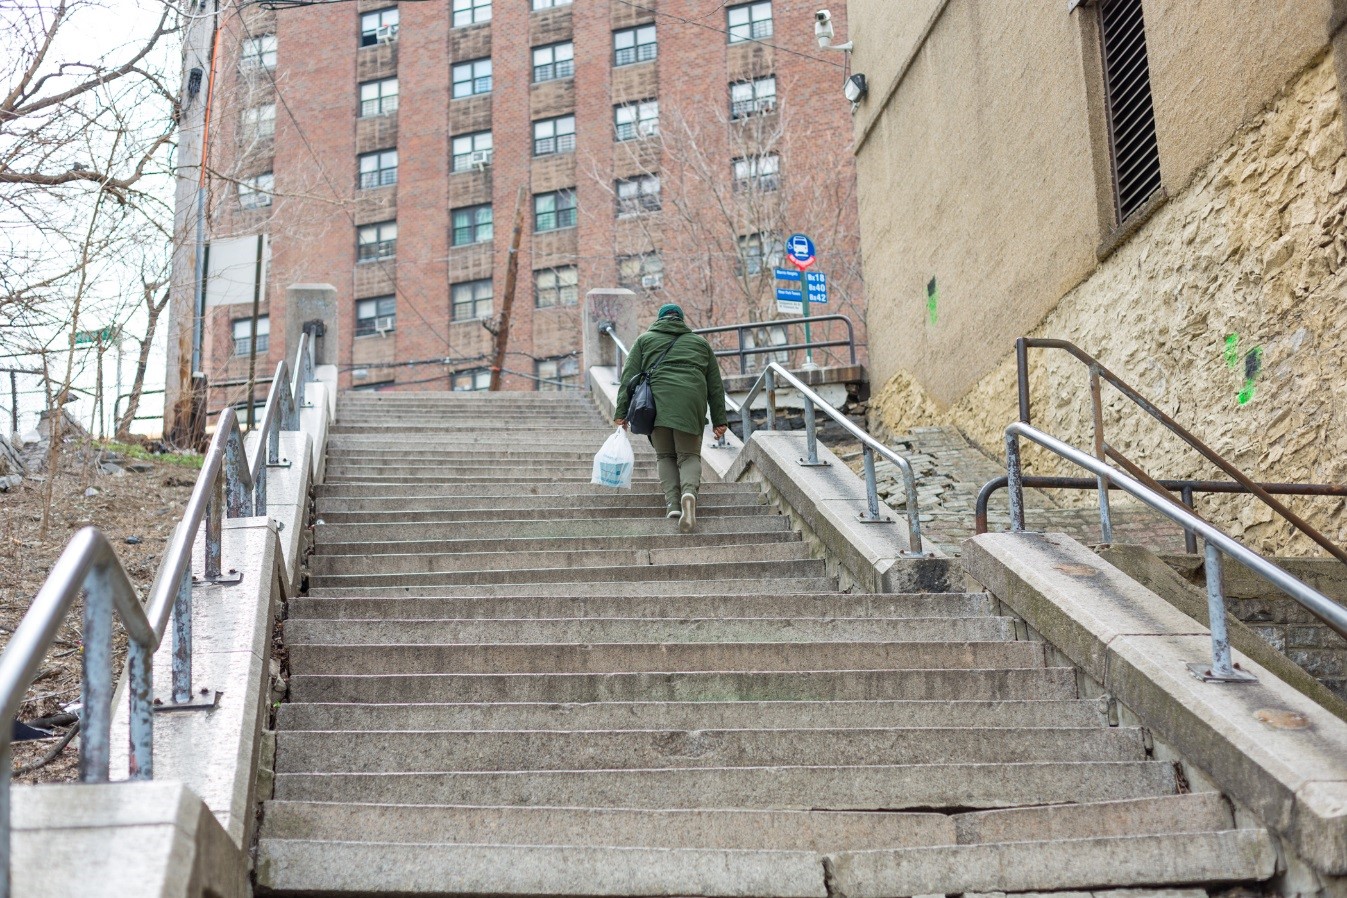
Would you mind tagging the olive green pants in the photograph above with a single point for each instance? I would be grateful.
(679, 459)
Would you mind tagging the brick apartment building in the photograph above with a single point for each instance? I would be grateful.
(383, 148)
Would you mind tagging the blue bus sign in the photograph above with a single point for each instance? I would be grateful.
(800, 250)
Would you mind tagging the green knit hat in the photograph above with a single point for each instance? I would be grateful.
(670, 310)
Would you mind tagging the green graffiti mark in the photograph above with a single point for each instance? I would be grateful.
(1232, 351)
(1253, 366)
(932, 300)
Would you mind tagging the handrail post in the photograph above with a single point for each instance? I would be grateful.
(1015, 482)
(871, 487)
(140, 689)
(96, 689)
(810, 432)
(214, 529)
(182, 640)
(851, 339)
(1022, 376)
(743, 356)
(1096, 401)
(1189, 537)
(238, 502)
(6, 776)
(913, 513)
(770, 385)
(1221, 667)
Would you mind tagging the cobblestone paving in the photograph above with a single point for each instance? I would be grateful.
(950, 472)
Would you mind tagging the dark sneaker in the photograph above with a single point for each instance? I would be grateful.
(688, 520)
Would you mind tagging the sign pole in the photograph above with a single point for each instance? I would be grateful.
(800, 251)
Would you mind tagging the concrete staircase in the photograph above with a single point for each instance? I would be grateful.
(504, 680)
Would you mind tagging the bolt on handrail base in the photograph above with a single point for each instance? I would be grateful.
(806, 463)
(1202, 670)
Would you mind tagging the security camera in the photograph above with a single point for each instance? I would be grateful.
(823, 28)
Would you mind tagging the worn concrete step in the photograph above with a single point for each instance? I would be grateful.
(557, 543)
(831, 787)
(770, 830)
(342, 488)
(814, 605)
(541, 528)
(588, 501)
(429, 752)
(790, 685)
(403, 631)
(719, 586)
(525, 474)
(680, 572)
(689, 715)
(1132, 860)
(360, 454)
(483, 434)
(705, 512)
(689, 657)
(376, 563)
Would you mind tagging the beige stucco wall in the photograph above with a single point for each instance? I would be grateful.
(1255, 246)
(985, 165)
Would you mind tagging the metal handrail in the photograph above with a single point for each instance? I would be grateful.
(744, 351)
(1103, 451)
(227, 485)
(1217, 544)
(870, 446)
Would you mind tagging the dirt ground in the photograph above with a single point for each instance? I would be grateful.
(136, 504)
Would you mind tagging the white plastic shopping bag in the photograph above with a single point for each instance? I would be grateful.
(614, 461)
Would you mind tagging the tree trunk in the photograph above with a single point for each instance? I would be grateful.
(142, 362)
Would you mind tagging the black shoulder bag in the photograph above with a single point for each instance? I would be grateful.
(641, 406)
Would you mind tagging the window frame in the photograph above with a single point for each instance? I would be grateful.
(385, 103)
(560, 379)
(640, 199)
(381, 178)
(259, 52)
(561, 220)
(365, 326)
(258, 191)
(473, 302)
(540, 5)
(473, 137)
(255, 126)
(473, 10)
(754, 104)
(369, 35)
(756, 174)
(749, 29)
(560, 297)
(559, 143)
(474, 79)
(378, 228)
(770, 253)
(555, 67)
(638, 50)
(242, 343)
(644, 269)
(477, 374)
(640, 125)
(475, 227)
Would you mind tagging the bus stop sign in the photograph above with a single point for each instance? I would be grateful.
(800, 250)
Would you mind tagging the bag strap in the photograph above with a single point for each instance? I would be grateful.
(659, 361)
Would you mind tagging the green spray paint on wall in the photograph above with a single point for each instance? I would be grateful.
(1252, 362)
(932, 301)
(1232, 351)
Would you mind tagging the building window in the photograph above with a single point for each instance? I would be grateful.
(553, 61)
(378, 27)
(379, 387)
(470, 12)
(643, 272)
(243, 334)
(378, 169)
(557, 374)
(759, 251)
(632, 45)
(375, 316)
(470, 300)
(378, 97)
(472, 78)
(259, 122)
(753, 97)
(259, 53)
(749, 21)
(472, 151)
(377, 241)
(556, 287)
(637, 195)
(472, 224)
(636, 119)
(554, 135)
(472, 379)
(255, 192)
(553, 211)
(757, 173)
(1135, 152)
(548, 4)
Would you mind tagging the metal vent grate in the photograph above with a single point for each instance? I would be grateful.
(1131, 115)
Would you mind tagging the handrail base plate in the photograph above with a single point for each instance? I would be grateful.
(1202, 670)
(206, 700)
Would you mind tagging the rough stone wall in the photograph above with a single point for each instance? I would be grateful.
(1226, 308)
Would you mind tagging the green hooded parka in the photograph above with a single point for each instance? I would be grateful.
(684, 384)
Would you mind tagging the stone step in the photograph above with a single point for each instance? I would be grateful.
(380, 563)
(797, 685)
(761, 830)
(588, 501)
(819, 607)
(652, 572)
(706, 511)
(557, 543)
(403, 631)
(631, 658)
(689, 715)
(345, 489)
(830, 787)
(430, 752)
(371, 456)
(484, 433)
(719, 586)
(542, 528)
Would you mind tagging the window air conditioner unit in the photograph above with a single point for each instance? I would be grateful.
(385, 34)
(652, 281)
(384, 323)
(645, 129)
(480, 159)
